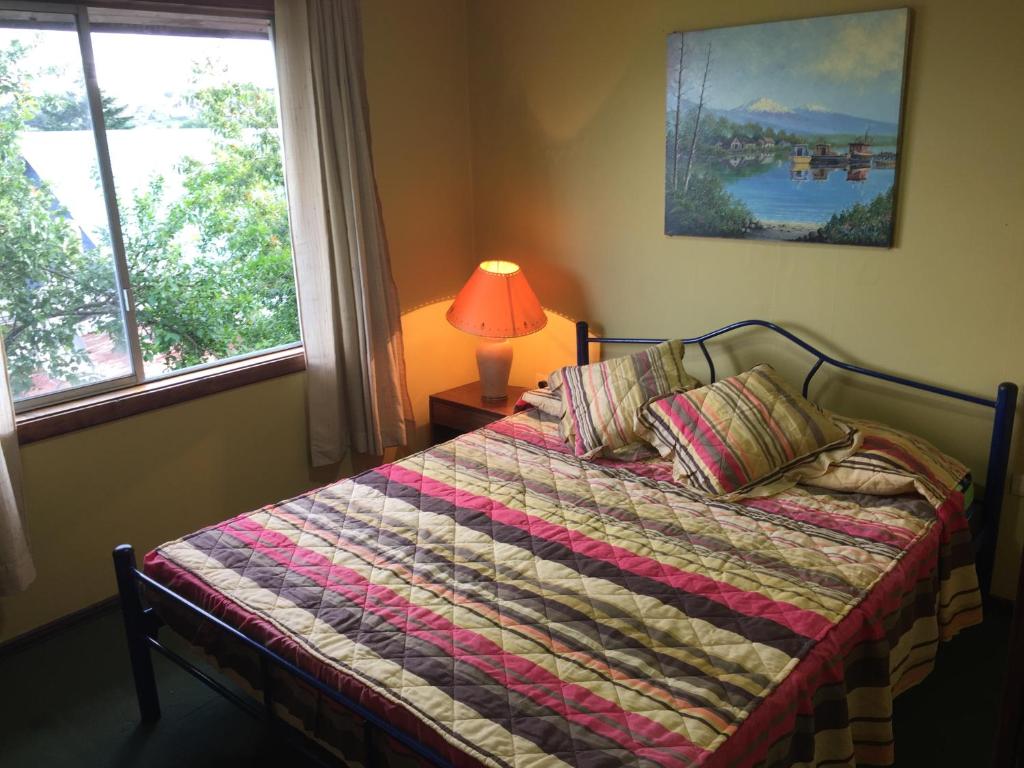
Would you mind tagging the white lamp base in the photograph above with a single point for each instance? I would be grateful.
(494, 361)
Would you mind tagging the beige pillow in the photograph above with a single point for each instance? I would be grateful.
(545, 401)
(890, 462)
(601, 400)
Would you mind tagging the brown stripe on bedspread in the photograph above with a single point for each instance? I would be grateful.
(668, 529)
(756, 628)
(855, 713)
(537, 723)
(524, 600)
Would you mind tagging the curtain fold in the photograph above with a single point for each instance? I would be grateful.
(348, 302)
(16, 568)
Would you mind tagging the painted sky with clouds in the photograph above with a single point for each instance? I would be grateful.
(851, 63)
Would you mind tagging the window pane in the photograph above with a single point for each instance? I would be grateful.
(60, 309)
(195, 149)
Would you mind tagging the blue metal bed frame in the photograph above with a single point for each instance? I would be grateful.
(142, 624)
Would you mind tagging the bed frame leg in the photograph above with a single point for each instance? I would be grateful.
(995, 481)
(135, 627)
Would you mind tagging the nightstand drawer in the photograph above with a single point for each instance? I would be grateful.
(458, 418)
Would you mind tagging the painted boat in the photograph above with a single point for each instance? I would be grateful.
(829, 161)
(800, 157)
(860, 151)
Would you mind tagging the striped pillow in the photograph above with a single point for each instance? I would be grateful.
(890, 462)
(601, 400)
(745, 435)
(544, 400)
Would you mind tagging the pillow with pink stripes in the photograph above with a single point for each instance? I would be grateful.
(747, 435)
(601, 400)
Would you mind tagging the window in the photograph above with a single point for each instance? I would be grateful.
(143, 219)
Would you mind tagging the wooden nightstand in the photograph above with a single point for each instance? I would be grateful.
(462, 409)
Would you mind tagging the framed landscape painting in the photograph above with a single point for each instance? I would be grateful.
(786, 131)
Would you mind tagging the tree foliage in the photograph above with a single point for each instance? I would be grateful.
(241, 295)
(860, 224)
(211, 269)
(49, 283)
(706, 208)
(69, 111)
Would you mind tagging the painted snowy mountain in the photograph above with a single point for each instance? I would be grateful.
(806, 119)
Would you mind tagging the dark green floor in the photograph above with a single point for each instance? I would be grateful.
(68, 701)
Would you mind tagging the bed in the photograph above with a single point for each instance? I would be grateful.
(498, 601)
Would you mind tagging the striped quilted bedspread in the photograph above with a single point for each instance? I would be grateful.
(512, 605)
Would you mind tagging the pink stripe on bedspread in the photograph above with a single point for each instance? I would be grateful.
(193, 588)
(833, 520)
(507, 669)
(799, 620)
(775, 718)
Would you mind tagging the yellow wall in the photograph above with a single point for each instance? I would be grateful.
(419, 114)
(162, 474)
(567, 106)
(148, 479)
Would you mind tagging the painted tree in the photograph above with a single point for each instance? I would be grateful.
(678, 113)
(696, 123)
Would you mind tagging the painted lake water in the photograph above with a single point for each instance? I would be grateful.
(810, 195)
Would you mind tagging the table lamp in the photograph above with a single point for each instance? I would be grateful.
(497, 304)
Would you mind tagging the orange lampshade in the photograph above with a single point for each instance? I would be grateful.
(497, 302)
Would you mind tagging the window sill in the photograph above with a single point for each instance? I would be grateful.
(60, 419)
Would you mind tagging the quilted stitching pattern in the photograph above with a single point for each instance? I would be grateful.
(890, 462)
(747, 430)
(535, 608)
(545, 400)
(601, 400)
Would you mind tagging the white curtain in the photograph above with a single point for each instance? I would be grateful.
(348, 303)
(16, 568)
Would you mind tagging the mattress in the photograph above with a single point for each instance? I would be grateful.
(509, 604)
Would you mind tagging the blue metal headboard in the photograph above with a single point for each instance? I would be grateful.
(1004, 405)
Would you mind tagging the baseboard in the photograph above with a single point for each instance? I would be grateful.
(33, 636)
